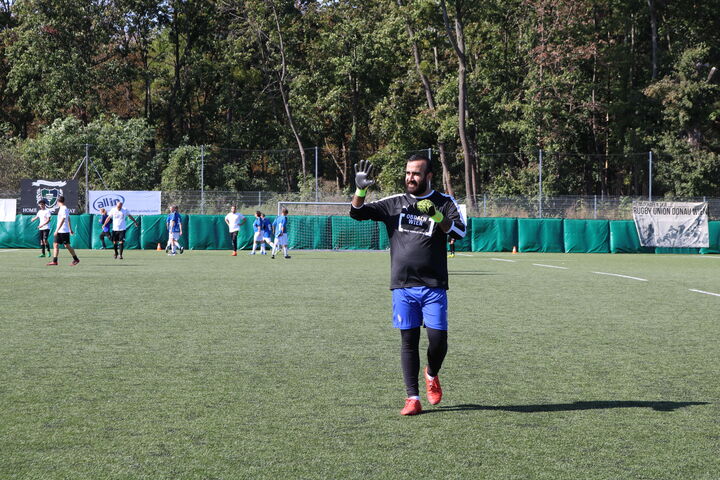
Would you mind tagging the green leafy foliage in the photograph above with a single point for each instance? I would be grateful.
(573, 78)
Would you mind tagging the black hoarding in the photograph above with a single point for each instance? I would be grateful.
(32, 191)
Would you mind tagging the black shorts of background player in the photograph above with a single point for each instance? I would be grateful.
(451, 241)
(117, 236)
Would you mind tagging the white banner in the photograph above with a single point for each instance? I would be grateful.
(672, 224)
(7, 210)
(136, 202)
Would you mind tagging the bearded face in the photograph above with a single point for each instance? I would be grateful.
(417, 179)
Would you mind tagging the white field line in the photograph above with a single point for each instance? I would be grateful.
(502, 260)
(464, 255)
(10, 250)
(704, 292)
(622, 276)
(549, 266)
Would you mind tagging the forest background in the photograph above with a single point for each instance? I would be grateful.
(148, 87)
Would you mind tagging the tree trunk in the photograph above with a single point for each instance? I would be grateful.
(654, 36)
(458, 44)
(446, 181)
(286, 101)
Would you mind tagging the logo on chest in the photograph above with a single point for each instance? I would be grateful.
(414, 223)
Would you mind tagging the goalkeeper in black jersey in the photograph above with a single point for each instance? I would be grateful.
(418, 223)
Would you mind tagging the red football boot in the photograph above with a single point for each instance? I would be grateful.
(434, 392)
(412, 407)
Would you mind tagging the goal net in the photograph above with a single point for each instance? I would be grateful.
(328, 226)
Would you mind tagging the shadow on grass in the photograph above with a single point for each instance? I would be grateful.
(568, 407)
(470, 273)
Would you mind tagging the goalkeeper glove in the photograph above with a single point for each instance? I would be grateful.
(363, 177)
(428, 208)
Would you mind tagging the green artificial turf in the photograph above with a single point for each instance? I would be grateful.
(206, 366)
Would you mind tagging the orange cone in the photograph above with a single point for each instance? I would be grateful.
(159, 248)
(514, 252)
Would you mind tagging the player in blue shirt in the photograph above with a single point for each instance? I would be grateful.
(105, 233)
(281, 237)
(174, 226)
(267, 234)
(257, 231)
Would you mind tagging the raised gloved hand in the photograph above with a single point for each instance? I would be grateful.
(428, 208)
(363, 177)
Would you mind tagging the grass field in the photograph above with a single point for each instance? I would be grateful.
(206, 366)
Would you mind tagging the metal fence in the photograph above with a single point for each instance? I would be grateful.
(568, 206)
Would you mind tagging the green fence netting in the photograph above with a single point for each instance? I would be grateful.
(493, 234)
(354, 235)
(309, 232)
(586, 236)
(540, 235)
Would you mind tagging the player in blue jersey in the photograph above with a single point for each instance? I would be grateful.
(281, 237)
(417, 223)
(105, 233)
(257, 231)
(267, 234)
(175, 231)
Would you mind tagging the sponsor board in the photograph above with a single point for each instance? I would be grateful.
(672, 224)
(32, 191)
(136, 202)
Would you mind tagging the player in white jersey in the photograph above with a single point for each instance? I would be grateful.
(234, 220)
(63, 230)
(117, 215)
(43, 215)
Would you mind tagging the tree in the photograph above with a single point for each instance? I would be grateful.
(457, 40)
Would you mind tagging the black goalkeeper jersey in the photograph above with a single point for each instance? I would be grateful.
(418, 255)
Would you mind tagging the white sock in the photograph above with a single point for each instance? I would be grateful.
(414, 397)
(429, 377)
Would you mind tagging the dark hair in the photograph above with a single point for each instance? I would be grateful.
(42, 202)
(284, 211)
(428, 163)
(258, 213)
(61, 199)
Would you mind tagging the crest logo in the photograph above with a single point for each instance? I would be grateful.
(50, 195)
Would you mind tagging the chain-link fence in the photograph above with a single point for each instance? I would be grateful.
(568, 206)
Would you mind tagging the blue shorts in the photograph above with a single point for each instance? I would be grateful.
(417, 306)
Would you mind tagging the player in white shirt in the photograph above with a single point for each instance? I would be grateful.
(117, 215)
(234, 220)
(63, 230)
(43, 215)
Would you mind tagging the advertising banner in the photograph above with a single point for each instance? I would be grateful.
(32, 191)
(7, 210)
(136, 202)
(672, 224)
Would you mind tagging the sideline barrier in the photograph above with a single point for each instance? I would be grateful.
(624, 238)
(540, 235)
(209, 232)
(586, 236)
(714, 230)
(492, 234)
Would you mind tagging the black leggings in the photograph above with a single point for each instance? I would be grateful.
(410, 355)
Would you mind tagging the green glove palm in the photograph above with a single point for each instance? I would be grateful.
(428, 208)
